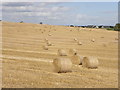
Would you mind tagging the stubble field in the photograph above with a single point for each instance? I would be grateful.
(27, 65)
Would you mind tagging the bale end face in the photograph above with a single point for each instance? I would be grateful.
(77, 59)
(62, 65)
(90, 62)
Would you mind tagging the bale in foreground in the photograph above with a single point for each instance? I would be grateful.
(62, 52)
(62, 65)
(90, 62)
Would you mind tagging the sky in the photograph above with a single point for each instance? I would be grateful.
(61, 13)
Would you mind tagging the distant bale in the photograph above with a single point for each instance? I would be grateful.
(90, 62)
(62, 65)
(45, 47)
(49, 34)
(75, 39)
(93, 40)
(104, 45)
(102, 37)
(116, 39)
(49, 43)
(72, 51)
(46, 40)
(79, 43)
(77, 59)
(62, 52)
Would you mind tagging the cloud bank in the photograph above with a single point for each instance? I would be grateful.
(50, 13)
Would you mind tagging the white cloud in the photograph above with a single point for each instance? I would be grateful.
(48, 10)
(59, 8)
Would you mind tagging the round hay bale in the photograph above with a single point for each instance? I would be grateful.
(77, 59)
(93, 40)
(75, 39)
(102, 37)
(46, 40)
(62, 52)
(62, 65)
(49, 34)
(49, 43)
(45, 47)
(104, 45)
(90, 62)
(79, 43)
(72, 51)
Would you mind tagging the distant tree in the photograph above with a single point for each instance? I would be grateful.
(71, 25)
(0, 20)
(21, 21)
(117, 27)
(41, 23)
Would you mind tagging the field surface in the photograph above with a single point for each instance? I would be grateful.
(27, 65)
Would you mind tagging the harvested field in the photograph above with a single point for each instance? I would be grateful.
(27, 65)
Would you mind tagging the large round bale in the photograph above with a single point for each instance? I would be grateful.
(90, 62)
(77, 59)
(62, 52)
(45, 47)
(62, 65)
(72, 51)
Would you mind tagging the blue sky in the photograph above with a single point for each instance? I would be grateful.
(61, 13)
